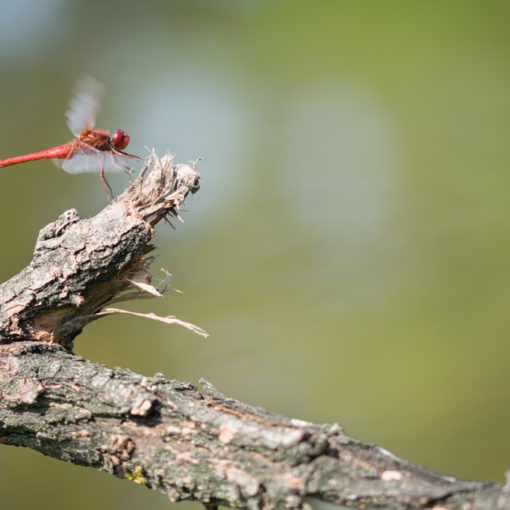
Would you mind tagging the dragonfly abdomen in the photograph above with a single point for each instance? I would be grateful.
(61, 152)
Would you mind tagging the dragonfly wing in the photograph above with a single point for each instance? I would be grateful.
(89, 159)
(84, 104)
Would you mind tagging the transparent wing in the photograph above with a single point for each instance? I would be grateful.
(84, 104)
(88, 159)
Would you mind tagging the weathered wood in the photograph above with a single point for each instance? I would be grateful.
(203, 446)
(80, 266)
(166, 434)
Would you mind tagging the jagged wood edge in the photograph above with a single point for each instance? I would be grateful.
(80, 266)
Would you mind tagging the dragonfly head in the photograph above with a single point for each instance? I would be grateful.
(119, 139)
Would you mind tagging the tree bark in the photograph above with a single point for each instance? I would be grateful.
(165, 434)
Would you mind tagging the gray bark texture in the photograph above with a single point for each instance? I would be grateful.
(166, 434)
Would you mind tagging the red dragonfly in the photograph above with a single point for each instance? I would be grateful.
(92, 150)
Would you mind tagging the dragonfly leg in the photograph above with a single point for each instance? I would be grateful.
(123, 168)
(105, 184)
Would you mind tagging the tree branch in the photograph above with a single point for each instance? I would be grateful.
(204, 446)
(166, 434)
(81, 266)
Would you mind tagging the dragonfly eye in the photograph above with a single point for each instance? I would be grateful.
(119, 139)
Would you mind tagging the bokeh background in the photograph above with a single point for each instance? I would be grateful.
(348, 251)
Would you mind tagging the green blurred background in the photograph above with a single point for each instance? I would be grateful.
(348, 251)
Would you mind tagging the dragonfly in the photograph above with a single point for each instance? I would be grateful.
(92, 150)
